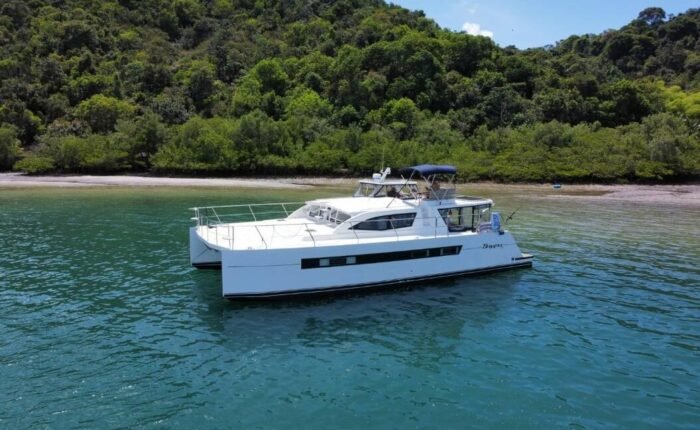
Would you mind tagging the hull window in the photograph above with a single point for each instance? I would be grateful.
(382, 257)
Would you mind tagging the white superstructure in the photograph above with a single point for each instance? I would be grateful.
(388, 233)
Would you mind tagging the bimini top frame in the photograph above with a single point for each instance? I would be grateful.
(426, 170)
(430, 174)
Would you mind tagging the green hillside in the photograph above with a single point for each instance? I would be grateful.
(231, 87)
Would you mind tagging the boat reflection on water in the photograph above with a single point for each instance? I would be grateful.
(420, 325)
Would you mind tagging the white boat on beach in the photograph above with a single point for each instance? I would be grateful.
(389, 233)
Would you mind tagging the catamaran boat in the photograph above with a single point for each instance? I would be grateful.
(390, 232)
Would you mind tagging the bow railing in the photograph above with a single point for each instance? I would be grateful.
(298, 234)
(215, 215)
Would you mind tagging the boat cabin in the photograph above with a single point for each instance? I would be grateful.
(379, 204)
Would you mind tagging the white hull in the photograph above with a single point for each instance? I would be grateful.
(388, 233)
(266, 273)
(203, 255)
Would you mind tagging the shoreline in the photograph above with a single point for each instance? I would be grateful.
(686, 195)
(19, 180)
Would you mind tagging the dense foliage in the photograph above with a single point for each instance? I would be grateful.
(279, 87)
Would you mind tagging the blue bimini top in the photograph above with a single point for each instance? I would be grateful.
(429, 169)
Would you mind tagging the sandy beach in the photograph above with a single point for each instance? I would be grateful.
(686, 195)
(13, 180)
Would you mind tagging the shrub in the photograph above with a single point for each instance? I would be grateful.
(35, 165)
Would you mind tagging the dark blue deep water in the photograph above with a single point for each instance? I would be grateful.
(103, 324)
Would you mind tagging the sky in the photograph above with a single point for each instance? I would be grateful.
(536, 23)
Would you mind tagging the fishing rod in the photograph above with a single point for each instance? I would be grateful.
(510, 217)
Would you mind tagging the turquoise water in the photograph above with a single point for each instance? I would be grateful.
(105, 325)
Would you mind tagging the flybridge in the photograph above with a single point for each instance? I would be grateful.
(438, 183)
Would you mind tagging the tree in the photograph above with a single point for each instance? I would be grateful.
(680, 27)
(172, 106)
(667, 140)
(308, 103)
(17, 11)
(9, 147)
(247, 97)
(199, 145)
(86, 86)
(102, 112)
(280, 85)
(652, 16)
(51, 73)
(201, 84)
(77, 34)
(465, 53)
(561, 105)
(374, 87)
(92, 153)
(624, 102)
(199, 79)
(188, 12)
(271, 76)
(504, 106)
(401, 115)
(141, 138)
(27, 124)
(255, 137)
(155, 77)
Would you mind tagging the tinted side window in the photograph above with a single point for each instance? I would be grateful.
(387, 222)
(378, 223)
(403, 220)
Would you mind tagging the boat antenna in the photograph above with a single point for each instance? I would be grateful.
(510, 217)
(383, 148)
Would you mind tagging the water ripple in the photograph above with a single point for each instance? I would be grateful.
(105, 324)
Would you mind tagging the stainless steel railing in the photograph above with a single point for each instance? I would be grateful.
(216, 215)
(224, 235)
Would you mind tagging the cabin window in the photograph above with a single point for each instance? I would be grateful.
(482, 214)
(387, 222)
(402, 220)
(341, 217)
(465, 218)
(457, 218)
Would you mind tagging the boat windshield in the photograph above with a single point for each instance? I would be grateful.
(364, 190)
(321, 213)
(399, 190)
